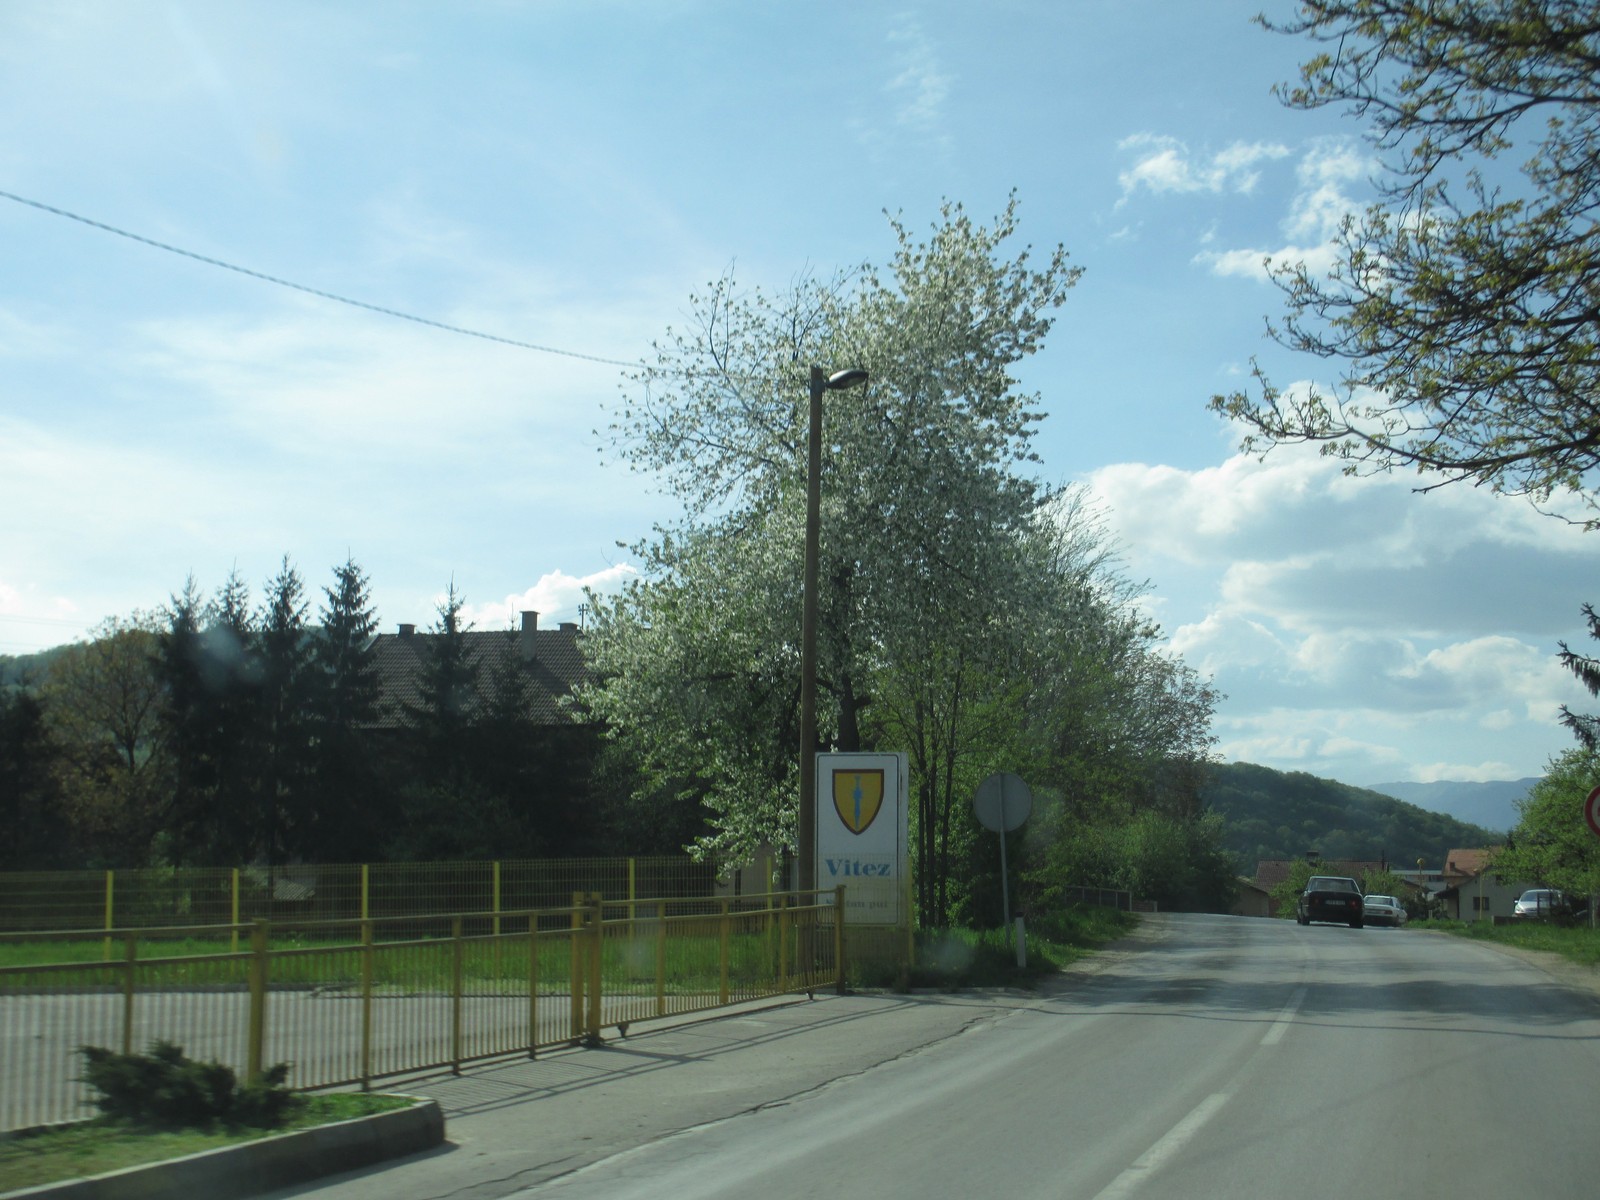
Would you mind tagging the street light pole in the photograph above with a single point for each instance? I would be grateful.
(807, 834)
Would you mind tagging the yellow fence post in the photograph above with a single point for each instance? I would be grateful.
(724, 930)
(233, 909)
(495, 890)
(533, 985)
(366, 1005)
(577, 973)
(783, 943)
(366, 880)
(129, 986)
(258, 1000)
(661, 958)
(838, 937)
(110, 912)
(596, 976)
(455, 995)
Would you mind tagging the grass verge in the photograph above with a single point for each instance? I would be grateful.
(1576, 943)
(94, 1147)
(952, 959)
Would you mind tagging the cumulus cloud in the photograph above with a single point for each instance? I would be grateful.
(1354, 624)
(556, 597)
(1166, 165)
(1321, 201)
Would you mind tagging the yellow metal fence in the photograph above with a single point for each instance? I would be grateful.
(167, 896)
(349, 1002)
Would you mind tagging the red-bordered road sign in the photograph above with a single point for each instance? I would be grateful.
(1591, 811)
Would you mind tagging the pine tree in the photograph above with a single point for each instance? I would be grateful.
(345, 818)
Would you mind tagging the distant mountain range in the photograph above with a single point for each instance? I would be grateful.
(1272, 814)
(1492, 805)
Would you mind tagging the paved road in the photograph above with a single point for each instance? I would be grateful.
(1216, 1057)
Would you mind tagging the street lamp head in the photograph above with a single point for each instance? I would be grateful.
(853, 377)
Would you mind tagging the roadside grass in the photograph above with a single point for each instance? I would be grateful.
(82, 1148)
(1577, 943)
(952, 959)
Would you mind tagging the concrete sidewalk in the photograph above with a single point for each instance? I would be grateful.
(512, 1125)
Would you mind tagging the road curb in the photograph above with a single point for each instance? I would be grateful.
(263, 1166)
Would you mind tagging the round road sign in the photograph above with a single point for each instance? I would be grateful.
(1003, 802)
(1591, 811)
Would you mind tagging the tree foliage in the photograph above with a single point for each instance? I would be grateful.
(1463, 309)
(104, 700)
(1552, 843)
(953, 583)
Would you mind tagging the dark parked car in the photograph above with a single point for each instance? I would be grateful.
(1330, 898)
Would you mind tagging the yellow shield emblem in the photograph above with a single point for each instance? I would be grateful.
(857, 797)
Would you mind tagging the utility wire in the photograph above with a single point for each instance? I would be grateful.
(300, 287)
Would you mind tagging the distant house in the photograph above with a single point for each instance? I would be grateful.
(550, 659)
(1462, 865)
(1252, 900)
(1473, 892)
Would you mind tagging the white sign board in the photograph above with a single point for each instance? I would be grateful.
(862, 803)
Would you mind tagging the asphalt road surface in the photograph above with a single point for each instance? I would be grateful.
(1219, 1057)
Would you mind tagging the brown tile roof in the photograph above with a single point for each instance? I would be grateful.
(1469, 861)
(551, 658)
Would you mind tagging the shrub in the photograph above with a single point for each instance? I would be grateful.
(170, 1091)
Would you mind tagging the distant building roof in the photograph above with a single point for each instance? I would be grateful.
(1462, 864)
(550, 657)
(1270, 872)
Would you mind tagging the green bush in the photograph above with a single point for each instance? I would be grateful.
(167, 1090)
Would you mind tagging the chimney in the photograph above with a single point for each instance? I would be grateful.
(530, 630)
(569, 627)
(407, 630)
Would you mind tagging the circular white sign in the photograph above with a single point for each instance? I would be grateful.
(1591, 811)
(1003, 802)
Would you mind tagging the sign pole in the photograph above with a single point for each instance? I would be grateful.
(1005, 875)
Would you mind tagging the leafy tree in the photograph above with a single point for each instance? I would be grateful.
(1179, 863)
(1463, 310)
(105, 703)
(1552, 842)
(697, 666)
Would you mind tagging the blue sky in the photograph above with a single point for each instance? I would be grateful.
(565, 173)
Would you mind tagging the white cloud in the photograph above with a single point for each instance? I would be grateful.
(920, 86)
(556, 597)
(1354, 624)
(1165, 165)
(1319, 205)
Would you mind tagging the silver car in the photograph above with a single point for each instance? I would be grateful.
(1540, 902)
(1383, 910)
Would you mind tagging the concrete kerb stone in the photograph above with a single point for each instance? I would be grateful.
(273, 1162)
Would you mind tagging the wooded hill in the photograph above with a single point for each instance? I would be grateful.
(1277, 814)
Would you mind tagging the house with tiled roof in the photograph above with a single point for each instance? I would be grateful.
(550, 659)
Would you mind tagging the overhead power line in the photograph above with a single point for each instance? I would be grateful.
(311, 291)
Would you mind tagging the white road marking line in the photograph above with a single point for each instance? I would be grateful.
(1285, 1018)
(1153, 1159)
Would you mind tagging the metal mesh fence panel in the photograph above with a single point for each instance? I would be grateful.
(74, 900)
(351, 1001)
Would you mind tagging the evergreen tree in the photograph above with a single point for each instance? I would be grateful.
(30, 796)
(345, 814)
(284, 726)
